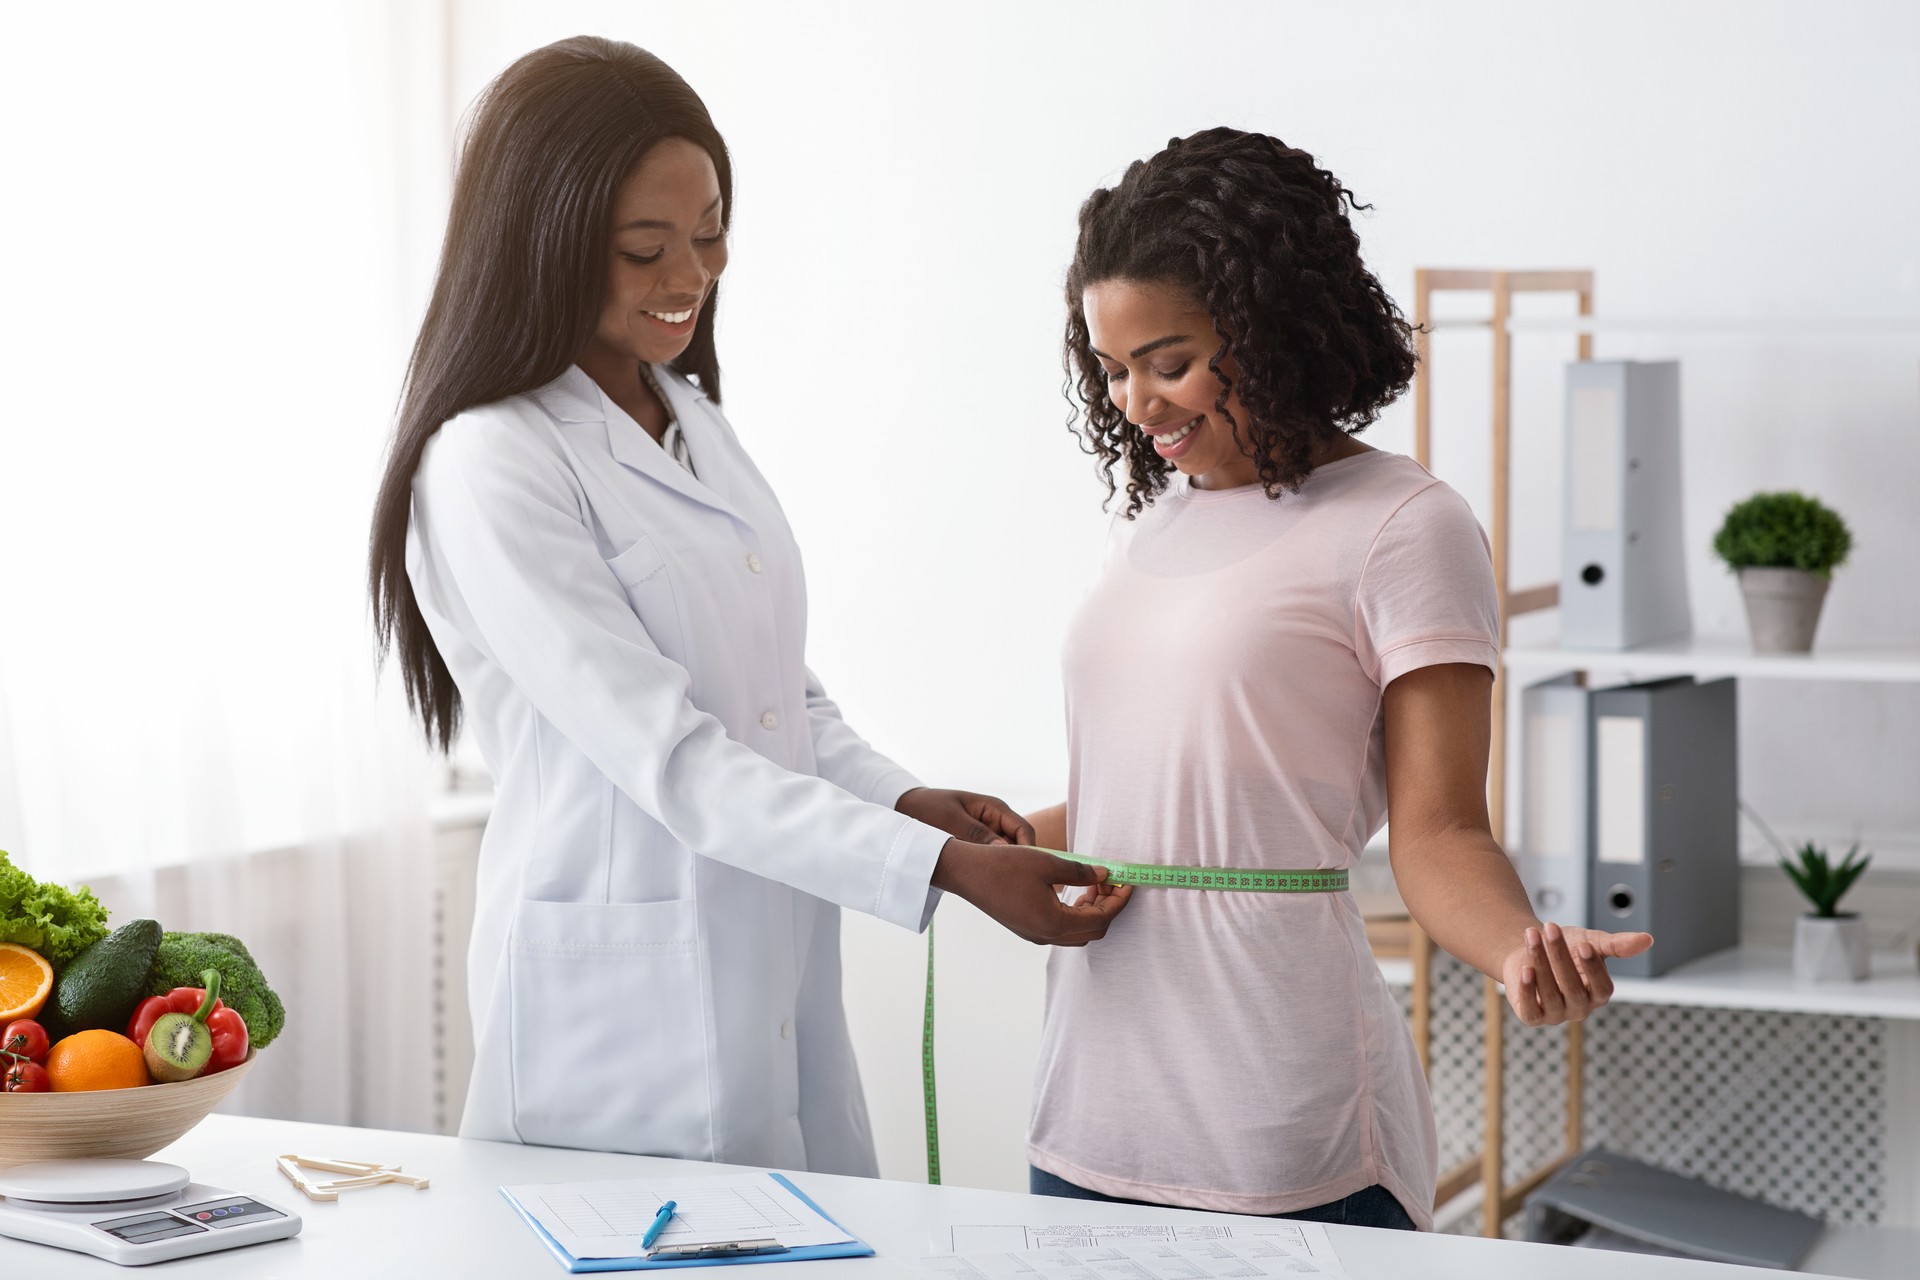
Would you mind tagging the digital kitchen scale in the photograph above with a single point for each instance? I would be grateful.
(132, 1211)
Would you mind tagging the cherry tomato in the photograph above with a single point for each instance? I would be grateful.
(25, 1077)
(25, 1037)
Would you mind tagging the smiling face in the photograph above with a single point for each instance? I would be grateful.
(1154, 342)
(669, 245)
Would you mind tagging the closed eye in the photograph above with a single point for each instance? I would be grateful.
(645, 259)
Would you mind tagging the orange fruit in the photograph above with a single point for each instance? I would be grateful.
(26, 980)
(95, 1060)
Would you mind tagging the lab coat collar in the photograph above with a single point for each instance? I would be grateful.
(576, 397)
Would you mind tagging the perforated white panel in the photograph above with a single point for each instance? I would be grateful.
(1788, 1108)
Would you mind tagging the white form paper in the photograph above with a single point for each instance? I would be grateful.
(608, 1219)
(1308, 1239)
(1251, 1258)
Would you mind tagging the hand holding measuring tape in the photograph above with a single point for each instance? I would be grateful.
(1017, 886)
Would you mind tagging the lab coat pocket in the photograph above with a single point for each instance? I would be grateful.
(648, 584)
(609, 1028)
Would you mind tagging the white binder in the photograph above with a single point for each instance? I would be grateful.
(1552, 859)
(1623, 580)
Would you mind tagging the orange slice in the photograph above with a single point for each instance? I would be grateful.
(26, 980)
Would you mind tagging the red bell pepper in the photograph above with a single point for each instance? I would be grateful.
(228, 1027)
(229, 1039)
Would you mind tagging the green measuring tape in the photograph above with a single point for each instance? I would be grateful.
(1145, 875)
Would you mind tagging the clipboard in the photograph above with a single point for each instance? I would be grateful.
(851, 1248)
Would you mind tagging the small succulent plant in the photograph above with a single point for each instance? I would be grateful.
(1823, 881)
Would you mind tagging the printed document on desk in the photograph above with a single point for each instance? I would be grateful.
(598, 1220)
(1246, 1258)
(1309, 1239)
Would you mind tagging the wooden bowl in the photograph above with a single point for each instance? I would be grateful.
(128, 1124)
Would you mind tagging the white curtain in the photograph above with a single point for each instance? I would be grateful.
(217, 231)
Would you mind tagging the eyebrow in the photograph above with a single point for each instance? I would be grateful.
(655, 224)
(1155, 345)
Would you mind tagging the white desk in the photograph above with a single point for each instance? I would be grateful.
(461, 1227)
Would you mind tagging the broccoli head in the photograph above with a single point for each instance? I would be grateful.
(243, 988)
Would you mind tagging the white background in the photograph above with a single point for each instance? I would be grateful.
(220, 228)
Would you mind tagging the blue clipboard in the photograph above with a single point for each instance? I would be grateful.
(854, 1248)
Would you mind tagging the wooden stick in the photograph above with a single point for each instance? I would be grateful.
(1492, 1185)
(1423, 376)
(1422, 947)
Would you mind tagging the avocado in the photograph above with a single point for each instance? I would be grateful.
(100, 987)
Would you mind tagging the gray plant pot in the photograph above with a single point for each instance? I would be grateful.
(1830, 949)
(1783, 608)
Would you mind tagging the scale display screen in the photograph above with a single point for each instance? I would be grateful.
(145, 1228)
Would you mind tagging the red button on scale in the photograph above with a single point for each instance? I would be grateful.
(203, 1216)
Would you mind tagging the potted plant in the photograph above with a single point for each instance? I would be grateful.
(1785, 547)
(1829, 945)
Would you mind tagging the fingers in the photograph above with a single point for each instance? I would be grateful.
(1089, 919)
(1620, 945)
(1566, 973)
(1593, 971)
(1524, 996)
(1001, 818)
(1553, 1004)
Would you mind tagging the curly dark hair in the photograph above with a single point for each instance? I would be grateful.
(1258, 234)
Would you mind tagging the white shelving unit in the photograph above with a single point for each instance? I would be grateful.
(1762, 978)
(1707, 657)
(1743, 978)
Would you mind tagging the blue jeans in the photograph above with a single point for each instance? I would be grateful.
(1372, 1207)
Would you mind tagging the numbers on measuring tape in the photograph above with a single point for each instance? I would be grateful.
(1219, 879)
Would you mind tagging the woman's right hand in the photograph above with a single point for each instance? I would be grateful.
(1020, 888)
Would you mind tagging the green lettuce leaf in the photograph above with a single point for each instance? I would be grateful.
(56, 921)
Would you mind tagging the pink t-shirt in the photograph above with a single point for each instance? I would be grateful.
(1224, 678)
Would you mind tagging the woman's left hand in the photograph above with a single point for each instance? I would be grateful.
(963, 815)
(1560, 975)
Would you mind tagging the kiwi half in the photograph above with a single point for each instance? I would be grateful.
(178, 1048)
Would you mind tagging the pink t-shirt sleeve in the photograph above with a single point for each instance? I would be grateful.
(1426, 592)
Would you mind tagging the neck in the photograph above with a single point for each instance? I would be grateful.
(1330, 447)
(619, 376)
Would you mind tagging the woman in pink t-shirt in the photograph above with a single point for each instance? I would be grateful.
(1294, 636)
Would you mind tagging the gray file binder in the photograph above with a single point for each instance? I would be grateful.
(1623, 579)
(1555, 780)
(1664, 828)
(1661, 1212)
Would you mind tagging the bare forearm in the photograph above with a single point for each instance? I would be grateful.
(1050, 827)
(1462, 890)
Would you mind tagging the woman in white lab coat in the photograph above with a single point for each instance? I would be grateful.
(571, 548)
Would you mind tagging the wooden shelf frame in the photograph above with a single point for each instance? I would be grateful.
(1499, 1198)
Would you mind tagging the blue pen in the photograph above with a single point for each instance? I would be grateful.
(660, 1221)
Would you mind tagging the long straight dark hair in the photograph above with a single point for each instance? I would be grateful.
(523, 274)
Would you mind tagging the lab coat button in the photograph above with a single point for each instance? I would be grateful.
(753, 561)
(769, 721)
(786, 1028)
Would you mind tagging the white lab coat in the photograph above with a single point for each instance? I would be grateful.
(655, 963)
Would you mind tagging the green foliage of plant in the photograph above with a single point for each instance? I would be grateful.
(52, 919)
(1824, 882)
(1783, 531)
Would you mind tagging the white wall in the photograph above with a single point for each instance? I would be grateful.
(906, 194)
